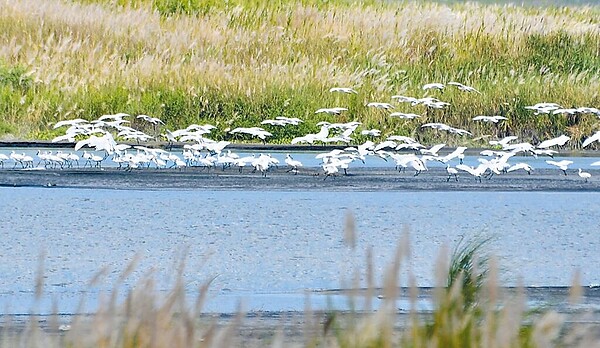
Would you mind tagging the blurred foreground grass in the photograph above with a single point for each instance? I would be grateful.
(470, 309)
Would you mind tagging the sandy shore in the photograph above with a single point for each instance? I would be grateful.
(308, 179)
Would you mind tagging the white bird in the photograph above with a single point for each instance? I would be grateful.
(292, 163)
(438, 86)
(3, 158)
(402, 115)
(559, 141)
(371, 132)
(447, 128)
(74, 122)
(154, 120)
(289, 120)
(331, 111)
(521, 165)
(274, 122)
(451, 171)
(404, 99)
(584, 175)
(493, 119)
(591, 139)
(504, 141)
(346, 90)
(262, 164)
(433, 150)
(563, 165)
(330, 169)
(432, 103)
(378, 105)
(402, 138)
(254, 131)
(543, 108)
(418, 165)
(588, 110)
(476, 172)
(457, 153)
(116, 117)
(545, 152)
(104, 143)
(565, 111)
(463, 88)
(17, 158)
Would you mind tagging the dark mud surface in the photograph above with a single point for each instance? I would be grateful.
(308, 179)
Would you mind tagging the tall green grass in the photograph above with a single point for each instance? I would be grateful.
(236, 63)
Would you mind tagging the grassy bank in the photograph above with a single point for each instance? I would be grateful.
(234, 64)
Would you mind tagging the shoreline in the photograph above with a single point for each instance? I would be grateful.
(308, 179)
(43, 144)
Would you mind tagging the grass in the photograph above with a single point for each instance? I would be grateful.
(236, 63)
(147, 317)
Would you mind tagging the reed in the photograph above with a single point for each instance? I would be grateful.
(148, 317)
(236, 63)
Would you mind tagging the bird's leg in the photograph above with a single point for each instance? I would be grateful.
(456, 177)
(448, 178)
(564, 171)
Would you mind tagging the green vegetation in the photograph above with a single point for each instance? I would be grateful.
(235, 63)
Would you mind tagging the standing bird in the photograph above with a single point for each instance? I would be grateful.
(584, 175)
(451, 171)
(292, 163)
(3, 158)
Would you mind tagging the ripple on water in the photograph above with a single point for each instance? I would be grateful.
(287, 241)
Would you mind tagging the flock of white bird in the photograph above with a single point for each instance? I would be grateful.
(199, 150)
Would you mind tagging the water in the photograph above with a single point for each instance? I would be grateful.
(268, 248)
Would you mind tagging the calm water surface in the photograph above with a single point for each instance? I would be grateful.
(257, 243)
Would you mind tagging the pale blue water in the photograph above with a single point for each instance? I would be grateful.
(260, 245)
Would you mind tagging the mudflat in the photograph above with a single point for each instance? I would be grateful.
(307, 179)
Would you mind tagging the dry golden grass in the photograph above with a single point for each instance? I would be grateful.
(237, 65)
